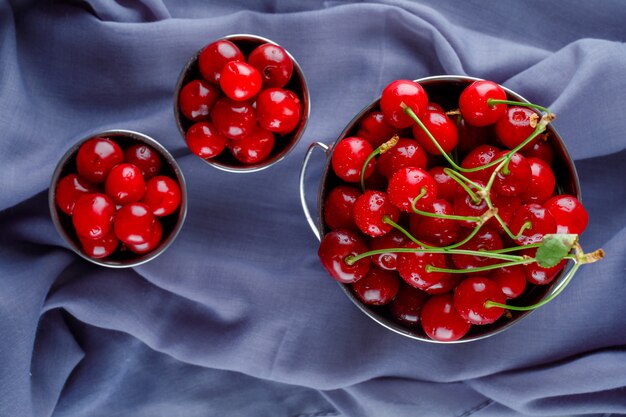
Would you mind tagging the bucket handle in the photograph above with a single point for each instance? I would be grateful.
(303, 170)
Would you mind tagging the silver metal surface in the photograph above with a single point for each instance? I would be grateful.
(305, 207)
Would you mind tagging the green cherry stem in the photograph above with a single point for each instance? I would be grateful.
(387, 219)
(440, 216)
(378, 151)
(351, 260)
(430, 268)
(492, 102)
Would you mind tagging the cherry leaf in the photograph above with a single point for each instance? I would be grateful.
(554, 248)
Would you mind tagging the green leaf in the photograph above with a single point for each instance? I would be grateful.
(554, 248)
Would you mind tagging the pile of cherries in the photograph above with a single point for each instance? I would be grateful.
(240, 103)
(438, 214)
(117, 198)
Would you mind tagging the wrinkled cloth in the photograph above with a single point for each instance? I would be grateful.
(237, 317)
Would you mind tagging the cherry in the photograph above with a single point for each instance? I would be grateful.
(569, 213)
(407, 306)
(69, 189)
(349, 156)
(101, 247)
(204, 140)
(434, 107)
(447, 284)
(539, 275)
(240, 81)
(125, 184)
(482, 155)
(163, 195)
(96, 157)
(338, 207)
(234, 119)
(134, 223)
(145, 157)
(378, 287)
(539, 149)
(370, 209)
(152, 243)
(506, 206)
(471, 137)
(196, 99)
(441, 128)
(93, 215)
(406, 184)
(470, 297)
(214, 56)
(464, 205)
(273, 63)
(253, 148)
(514, 178)
(485, 239)
(516, 126)
(335, 247)
(374, 129)
(395, 94)
(406, 153)
(473, 103)
(511, 279)
(530, 223)
(542, 182)
(441, 321)
(435, 231)
(412, 267)
(446, 186)
(278, 110)
(391, 240)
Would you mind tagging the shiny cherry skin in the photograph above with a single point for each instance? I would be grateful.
(441, 321)
(441, 127)
(432, 230)
(101, 247)
(445, 285)
(93, 215)
(485, 239)
(406, 308)
(370, 209)
(335, 247)
(412, 267)
(446, 186)
(569, 213)
(538, 275)
(397, 92)
(540, 220)
(254, 148)
(539, 149)
(134, 223)
(406, 153)
(152, 243)
(163, 195)
(96, 157)
(125, 184)
(374, 129)
(378, 287)
(273, 63)
(465, 206)
(473, 103)
(69, 189)
(511, 279)
(542, 182)
(348, 159)
(393, 239)
(234, 119)
(145, 157)
(516, 179)
(406, 184)
(516, 126)
(470, 297)
(506, 207)
(204, 140)
(338, 207)
(214, 56)
(240, 81)
(196, 99)
(278, 110)
(482, 155)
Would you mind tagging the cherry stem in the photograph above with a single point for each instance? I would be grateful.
(492, 102)
(438, 215)
(351, 260)
(462, 180)
(430, 268)
(378, 151)
(387, 219)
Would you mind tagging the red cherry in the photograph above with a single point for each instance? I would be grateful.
(393, 239)
(406, 153)
(470, 297)
(516, 179)
(196, 99)
(516, 126)
(539, 275)
(204, 140)
(441, 321)
(539, 149)
(542, 182)
(412, 267)
(378, 287)
(348, 159)
(214, 56)
(253, 148)
(406, 184)
(397, 92)
(434, 107)
(432, 230)
(511, 279)
(278, 110)
(145, 157)
(96, 157)
(163, 195)
(93, 215)
(482, 155)
(441, 127)
(506, 207)
(374, 129)
(465, 206)
(540, 220)
(369, 210)
(485, 239)
(569, 213)
(406, 308)
(234, 119)
(473, 103)
(273, 63)
(447, 284)
(125, 184)
(152, 243)
(338, 207)
(446, 186)
(335, 247)
(240, 81)
(101, 247)
(69, 189)
(134, 223)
